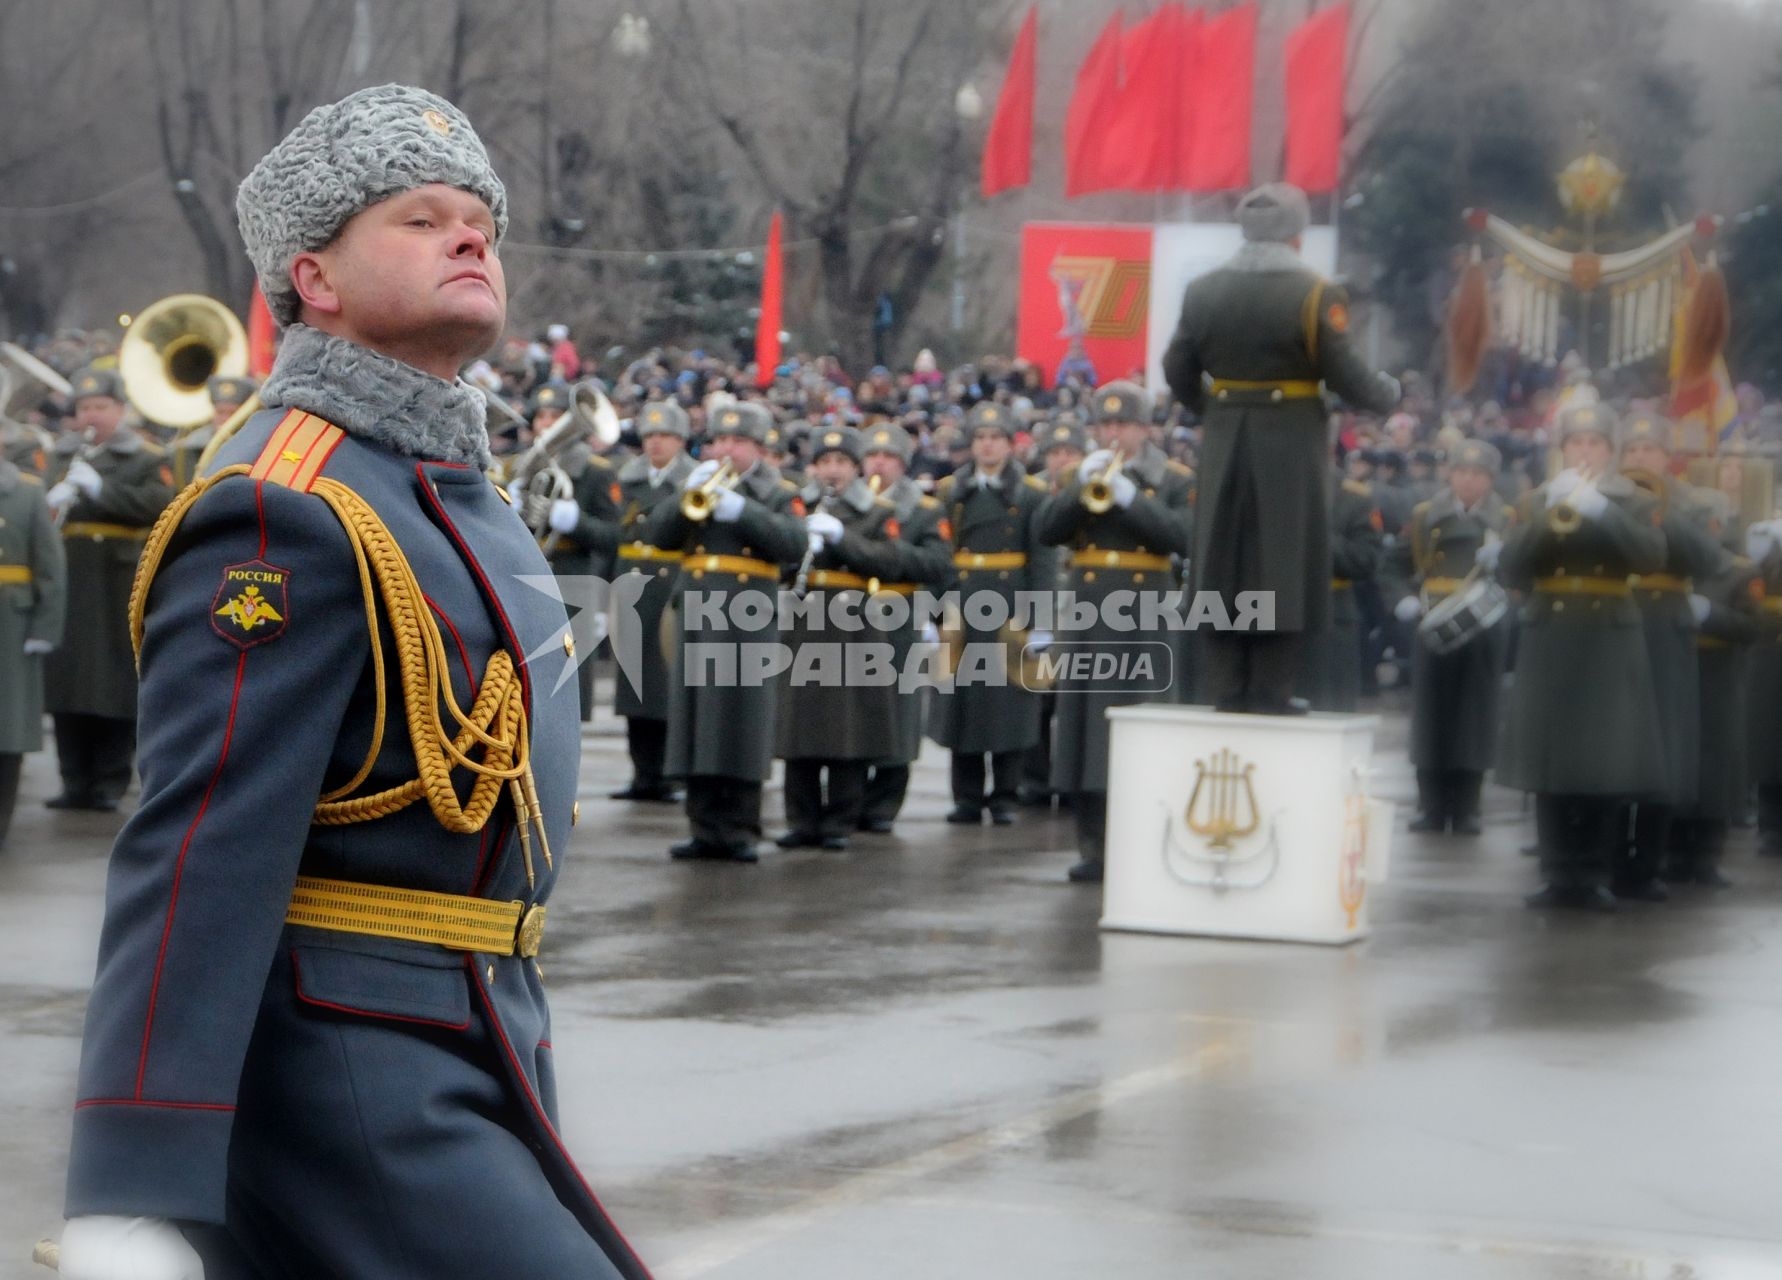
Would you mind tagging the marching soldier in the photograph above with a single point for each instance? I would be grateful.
(1668, 619)
(227, 395)
(1061, 444)
(1725, 607)
(991, 505)
(1582, 730)
(721, 706)
(1331, 677)
(646, 482)
(33, 584)
(108, 485)
(358, 783)
(834, 718)
(1124, 527)
(1256, 339)
(577, 534)
(926, 539)
(25, 445)
(1454, 695)
(1763, 546)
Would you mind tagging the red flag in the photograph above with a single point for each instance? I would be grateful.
(1008, 146)
(1219, 149)
(1315, 53)
(1138, 149)
(262, 335)
(1093, 105)
(767, 328)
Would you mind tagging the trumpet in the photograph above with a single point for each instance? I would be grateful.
(1563, 517)
(698, 503)
(1098, 491)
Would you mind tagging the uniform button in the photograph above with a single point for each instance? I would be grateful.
(1559, 606)
(1138, 578)
(1089, 575)
(661, 573)
(1003, 574)
(698, 574)
(491, 975)
(568, 644)
(575, 813)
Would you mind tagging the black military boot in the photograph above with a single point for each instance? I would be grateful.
(1463, 802)
(1430, 817)
(1086, 871)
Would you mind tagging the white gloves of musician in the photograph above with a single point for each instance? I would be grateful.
(825, 526)
(82, 476)
(729, 507)
(1409, 609)
(517, 491)
(1125, 490)
(700, 474)
(565, 515)
(102, 1247)
(1568, 486)
(60, 495)
(1486, 556)
(35, 648)
(1039, 641)
(1094, 465)
(1700, 607)
(1562, 484)
(1762, 538)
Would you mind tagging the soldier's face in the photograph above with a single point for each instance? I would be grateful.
(990, 448)
(544, 419)
(221, 411)
(414, 276)
(1588, 450)
(887, 466)
(98, 416)
(739, 451)
(1643, 455)
(1063, 458)
(834, 470)
(1128, 437)
(1469, 484)
(661, 449)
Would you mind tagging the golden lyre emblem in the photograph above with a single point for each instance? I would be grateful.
(1222, 806)
(1352, 864)
(249, 609)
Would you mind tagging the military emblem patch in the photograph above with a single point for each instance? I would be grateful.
(436, 122)
(1338, 315)
(252, 604)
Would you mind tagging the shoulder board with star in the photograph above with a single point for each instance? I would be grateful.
(152, 449)
(944, 485)
(1178, 468)
(1360, 490)
(881, 500)
(28, 478)
(594, 459)
(787, 484)
(1034, 482)
(927, 503)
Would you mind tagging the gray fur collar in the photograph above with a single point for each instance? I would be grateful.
(378, 399)
(1264, 255)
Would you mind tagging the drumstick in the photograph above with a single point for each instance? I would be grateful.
(48, 1254)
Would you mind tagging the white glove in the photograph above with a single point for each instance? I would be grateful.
(1125, 490)
(700, 474)
(1486, 556)
(1562, 484)
(1700, 606)
(930, 633)
(565, 515)
(1094, 465)
(35, 648)
(82, 476)
(1760, 540)
(1039, 641)
(103, 1247)
(729, 507)
(1408, 610)
(1590, 503)
(517, 491)
(822, 525)
(61, 495)
(814, 543)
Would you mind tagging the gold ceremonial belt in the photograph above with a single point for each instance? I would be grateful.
(1568, 586)
(443, 919)
(898, 588)
(14, 574)
(1441, 586)
(1771, 604)
(840, 579)
(741, 566)
(1660, 582)
(1340, 584)
(644, 551)
(1300, 389)
(1711, 642)
(96, 530)
(989, 560)
(1136, 560)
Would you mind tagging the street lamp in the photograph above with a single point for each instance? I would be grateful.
(631, 36)
(968, 105)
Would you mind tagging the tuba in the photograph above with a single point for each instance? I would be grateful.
(24, 379)
(171, 352)
(539, 476)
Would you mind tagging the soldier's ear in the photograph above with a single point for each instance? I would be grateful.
(312, 275)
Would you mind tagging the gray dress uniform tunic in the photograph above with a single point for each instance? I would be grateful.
(1101, 551)
(1583, 717)
(33, 586)
(716, 729)
(1456, 696)
(638, 500)
(94, 671)
(996, 548)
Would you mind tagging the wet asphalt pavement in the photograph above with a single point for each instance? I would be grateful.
(922, 1059)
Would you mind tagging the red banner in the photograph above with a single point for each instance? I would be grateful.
(1139, 146)
(1223, 89)
(1008, 146)
(1093, 105)
(767, 328)
(1085, 293)
(1315, 55)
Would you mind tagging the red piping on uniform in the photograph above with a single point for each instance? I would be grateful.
(549, 1128)
(297, 974)
(179, 867)
(544, 1044)
(260, 506)
(477, 568)
(463, 653)
(333, 444)
(150, 1102)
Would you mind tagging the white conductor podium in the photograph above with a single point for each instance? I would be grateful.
(1242, 826)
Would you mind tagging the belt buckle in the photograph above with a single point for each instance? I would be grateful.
(531, 931)
(977, 560)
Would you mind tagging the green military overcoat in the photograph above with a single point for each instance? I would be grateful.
(33, 586)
